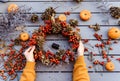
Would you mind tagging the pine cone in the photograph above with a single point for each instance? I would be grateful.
(115, 12)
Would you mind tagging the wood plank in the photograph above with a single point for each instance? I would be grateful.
(66, 6)
(68, 76)
(69, 67)
(64, 72)
(85, 32)
(64, 0)
(65, 45)
(96, 18)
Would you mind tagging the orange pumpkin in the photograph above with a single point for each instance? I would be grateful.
(109, 66)
(24, 36)
(114, 33)
(12, 8)
(85, 15)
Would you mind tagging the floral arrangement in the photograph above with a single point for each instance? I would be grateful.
(10, 22)
(54, 26)
(13, 59)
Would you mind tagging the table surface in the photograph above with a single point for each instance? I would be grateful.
(64, 72)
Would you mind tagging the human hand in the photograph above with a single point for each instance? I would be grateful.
(80, 50)
(29, 54)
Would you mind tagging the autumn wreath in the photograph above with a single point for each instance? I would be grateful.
(14, 59)
(55, 26)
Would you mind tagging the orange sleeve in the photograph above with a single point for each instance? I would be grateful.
(28, 72)
(80, 72)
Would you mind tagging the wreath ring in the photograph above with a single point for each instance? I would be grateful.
(54, 26)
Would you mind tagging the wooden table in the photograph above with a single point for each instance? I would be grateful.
(64, 72)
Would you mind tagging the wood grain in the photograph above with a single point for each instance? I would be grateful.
(64, 72)
(66, 6)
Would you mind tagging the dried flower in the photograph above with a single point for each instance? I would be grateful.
(34, 18)
(9, 22)
(73, 22)
(48, 14)
(59, 54)
(56, 28)
(78, 0)
(66, 30)
(40, 42)
(96, 27)
(17, 41)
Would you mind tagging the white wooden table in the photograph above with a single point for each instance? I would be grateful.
(64, 72)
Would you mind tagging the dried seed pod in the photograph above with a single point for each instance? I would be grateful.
(118, 59)
(96, 62)
(90, 67)
(96, 27)
(86, 49)
(73, 22)
(34, 18)
(78, 1)
(17, 41)
(67, 13)
(46, 61)
(60, 54)
(97, 36)
(85, 41)
(119, 22)
(102, 63)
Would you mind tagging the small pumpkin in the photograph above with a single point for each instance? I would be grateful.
(110, 66)
(12, 8)
(24, 36)
(114, 33)
(85, 15)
